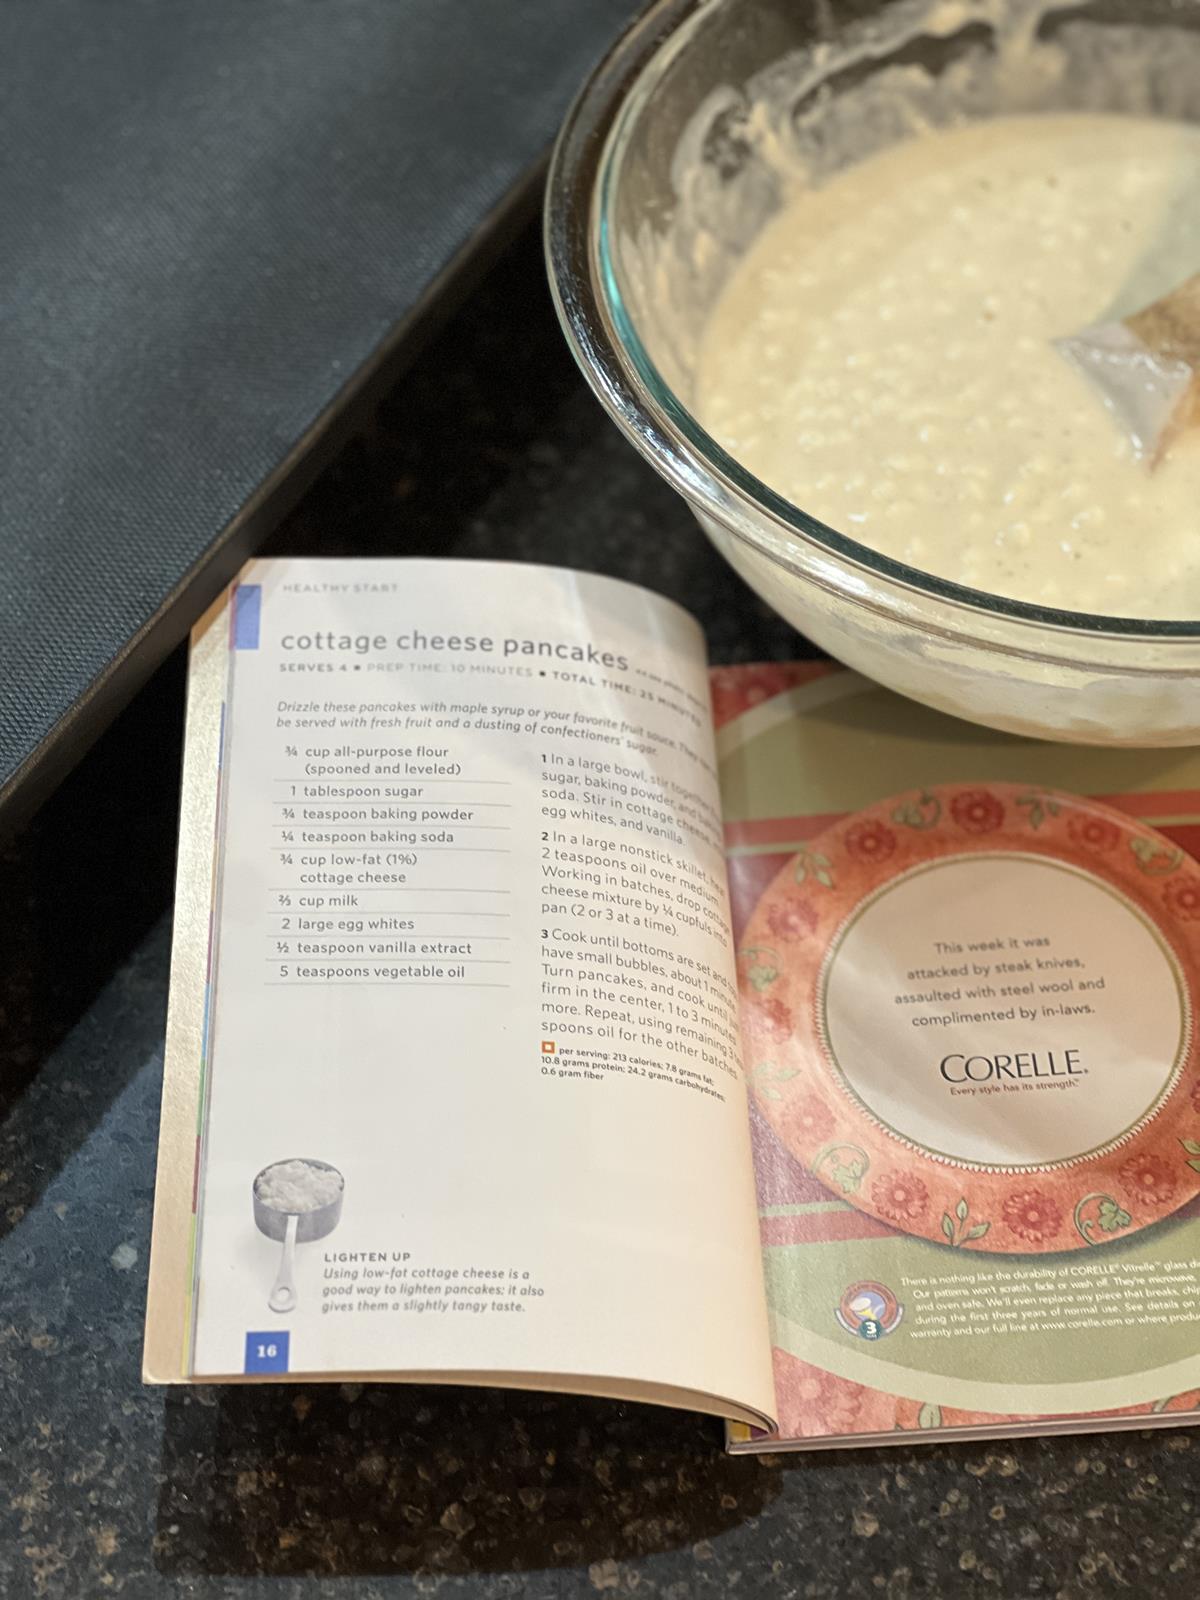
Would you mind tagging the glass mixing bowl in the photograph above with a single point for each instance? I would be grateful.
(663, 175)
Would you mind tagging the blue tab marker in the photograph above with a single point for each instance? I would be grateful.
(247, 611)
(266, 1352)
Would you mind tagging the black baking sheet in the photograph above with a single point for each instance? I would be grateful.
(220, 223)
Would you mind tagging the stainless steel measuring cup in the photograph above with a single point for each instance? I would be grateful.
(291, 1228)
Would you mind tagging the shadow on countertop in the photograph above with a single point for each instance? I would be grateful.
(379, 1479)
(477, 1493)
(81, 888)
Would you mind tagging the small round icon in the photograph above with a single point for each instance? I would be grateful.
(869, 1311)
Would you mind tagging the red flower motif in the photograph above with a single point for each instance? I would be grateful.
(792, 919)
(1183, 898)
(1148, 1177)
(775, 1016)
(899, 1196)
(977, 811)
(869, 841)
(1094, 833)
(827, 1403)
(737, 689)
(811, 1119)
(1031, 1215)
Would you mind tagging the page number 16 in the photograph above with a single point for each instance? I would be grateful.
(266, 1352)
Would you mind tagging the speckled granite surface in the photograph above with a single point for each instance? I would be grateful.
(491, 447)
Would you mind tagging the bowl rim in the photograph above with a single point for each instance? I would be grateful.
(621, 372)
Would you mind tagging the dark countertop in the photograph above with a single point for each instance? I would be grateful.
(491, 446)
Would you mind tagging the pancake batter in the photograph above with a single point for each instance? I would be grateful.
(882, 356)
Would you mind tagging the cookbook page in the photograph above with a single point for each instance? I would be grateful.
(970, 968)
(453, 1084)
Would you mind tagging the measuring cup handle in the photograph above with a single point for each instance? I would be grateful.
(283, 1296)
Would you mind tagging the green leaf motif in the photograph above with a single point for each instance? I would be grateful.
(843, 1166)
(763, 969)
(929, 1416)
(924, 812)
(1195, 1165)
(1154, 859)
(1190, 1145)
(1040, 805)
(1112, 1217)
(765, 1075)
(957, 1232)
(813, 864)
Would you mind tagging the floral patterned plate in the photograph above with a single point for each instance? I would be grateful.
(969, 1011)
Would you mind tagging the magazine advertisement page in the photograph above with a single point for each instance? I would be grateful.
(968, 966)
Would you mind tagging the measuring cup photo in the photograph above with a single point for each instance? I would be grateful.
(296, 1201)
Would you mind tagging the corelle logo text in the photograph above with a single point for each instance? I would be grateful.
(1023, 1064)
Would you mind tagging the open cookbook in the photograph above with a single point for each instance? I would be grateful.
(549, 1012)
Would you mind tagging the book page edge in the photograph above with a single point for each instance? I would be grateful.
(169, 1292)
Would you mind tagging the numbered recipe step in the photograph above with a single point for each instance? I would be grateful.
(634, 978)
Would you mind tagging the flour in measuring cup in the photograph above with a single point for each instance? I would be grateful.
(297, 1187)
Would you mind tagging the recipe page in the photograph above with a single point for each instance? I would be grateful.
(471, 1098)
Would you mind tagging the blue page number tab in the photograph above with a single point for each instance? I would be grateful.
(266, 1352)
